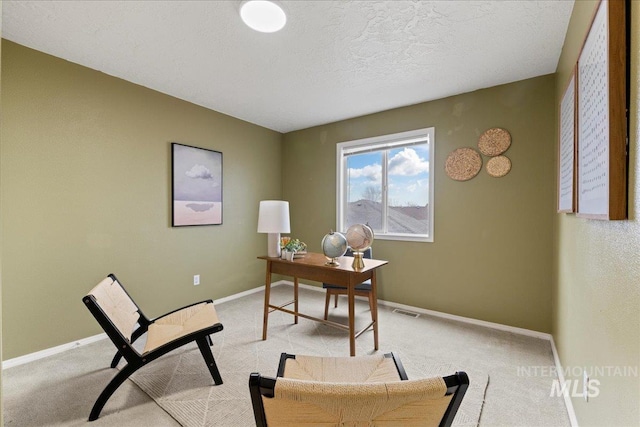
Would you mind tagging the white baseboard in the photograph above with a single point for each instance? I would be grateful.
(21, 360)
(477, 322)
(521, 331)
(239, 295)
(567, 398)
(501, 327)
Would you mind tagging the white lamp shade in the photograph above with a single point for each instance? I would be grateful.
(273, 217)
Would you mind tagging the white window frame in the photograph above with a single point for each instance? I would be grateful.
(377, 143)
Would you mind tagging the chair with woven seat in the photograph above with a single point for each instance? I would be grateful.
(118, 315)
(363, 289)
(365, 390)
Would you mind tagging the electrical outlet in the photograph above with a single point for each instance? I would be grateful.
(196, 280)
(585, 385)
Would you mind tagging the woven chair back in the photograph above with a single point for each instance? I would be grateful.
(117, 305)
(311, 403)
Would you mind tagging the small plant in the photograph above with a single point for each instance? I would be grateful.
(294, 245)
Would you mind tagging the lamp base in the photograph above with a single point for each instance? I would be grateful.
(273, 245)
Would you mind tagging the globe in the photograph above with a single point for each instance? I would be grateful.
(334, 245)
(359, 237)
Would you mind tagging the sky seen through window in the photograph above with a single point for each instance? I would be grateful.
(408, 176)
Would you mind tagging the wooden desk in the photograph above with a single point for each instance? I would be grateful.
(312, 267)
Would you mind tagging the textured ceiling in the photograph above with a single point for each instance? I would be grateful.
(334, 59)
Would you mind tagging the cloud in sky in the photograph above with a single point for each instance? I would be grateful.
(199, 172)
(419, 185)
(404, 163)
(407, 163)
(370, 172)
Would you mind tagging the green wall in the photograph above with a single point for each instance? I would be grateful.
(85, 185)
(596, 315)
(491, 258)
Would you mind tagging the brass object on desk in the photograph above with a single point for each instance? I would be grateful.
(358, 262)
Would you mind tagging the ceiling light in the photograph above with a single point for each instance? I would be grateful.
(264, 16)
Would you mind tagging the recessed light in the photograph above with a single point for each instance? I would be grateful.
(262, 15)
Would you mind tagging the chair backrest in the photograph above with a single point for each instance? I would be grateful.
(117, 305)
(116, 313)
(376, 368)
(425, 402)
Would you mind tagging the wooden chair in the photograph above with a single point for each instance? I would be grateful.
(118, 315)
(365, 390)
(363, 289)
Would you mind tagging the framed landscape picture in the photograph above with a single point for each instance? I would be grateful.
(196, 184)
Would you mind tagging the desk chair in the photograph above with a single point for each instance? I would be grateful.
(363, 289)
(118, 315)
(365, 390)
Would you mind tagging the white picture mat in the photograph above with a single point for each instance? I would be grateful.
(566, 160)
(593, 118)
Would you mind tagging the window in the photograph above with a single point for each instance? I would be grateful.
(386, 182)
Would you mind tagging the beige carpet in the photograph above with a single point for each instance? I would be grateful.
(60, 390)
(181, 385)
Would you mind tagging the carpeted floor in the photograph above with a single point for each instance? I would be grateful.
(61, 389)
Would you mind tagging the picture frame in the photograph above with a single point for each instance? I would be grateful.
(603, 100)
(567, 147)
(196, 186)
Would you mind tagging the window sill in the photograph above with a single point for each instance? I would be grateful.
(404, 237)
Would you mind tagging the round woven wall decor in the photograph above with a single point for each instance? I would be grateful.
(463, 164)
(498, 166)
(494, 142)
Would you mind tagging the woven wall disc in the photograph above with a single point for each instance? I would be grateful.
(463, 164)
(498, 166)
(494, 142)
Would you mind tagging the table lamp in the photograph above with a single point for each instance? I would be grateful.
(273, 218)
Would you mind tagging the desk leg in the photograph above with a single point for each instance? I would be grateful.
(267, 294)
(374, 309)
(295, 299)
(352, 320)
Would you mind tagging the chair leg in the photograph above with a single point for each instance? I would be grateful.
(116, 359)
(110, 389)
(134, 336)
(208, 358)
(335, 305)
(326, 304)
(209, 340)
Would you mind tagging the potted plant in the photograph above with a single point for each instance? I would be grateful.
(292, 246)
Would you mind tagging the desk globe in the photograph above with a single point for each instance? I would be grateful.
(334, 245)
(359, 238)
